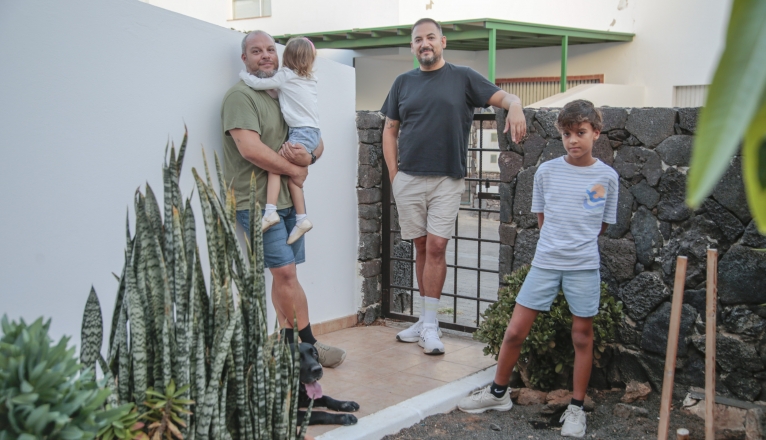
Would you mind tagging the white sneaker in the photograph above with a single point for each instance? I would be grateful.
(301, 228)
(483, 400)
(429, 339)
(269, 220)
(412, 334)
(574, 422)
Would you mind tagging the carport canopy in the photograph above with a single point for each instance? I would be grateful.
(473, 35)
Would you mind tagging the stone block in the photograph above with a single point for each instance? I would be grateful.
(624, 213)
(507, 234)
(532, 148)
(752, 238)
(687, 118)
(726, 221)
(755, 423)
(369, 247)
(643, 294)
(618, 135)
(371, 155)
(629, 332)
(370, 136)
(370, 211)
(369, 176)
(672, 205)
(529, 396)
(613, 119)
(676, 150)
(366, 196)
(547, 121)
(625, 411)
(743, 385)
(629, 367)
(690, 239)
(654, 338)
(732, 352)
(558, 400)
(619, 256)
(370, 268)
(730, 191)
(368, 315)
(510, 165)
(371, 291)
(741, 276)
(651, 125)
(636, 391)
(646, 234)
(506, 202)
(369, 225)
(645, 194)
(522, 201)
(632, 162)
(505, 262)
(366, 120)
(553, 149)
(602, 150)
(524, 251)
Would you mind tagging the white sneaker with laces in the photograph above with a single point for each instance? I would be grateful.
(269, 220)
(412, 334)
(301, 228)
(429, 339)
(483, 400)
(574, 422)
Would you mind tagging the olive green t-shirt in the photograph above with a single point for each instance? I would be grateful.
(254, 110)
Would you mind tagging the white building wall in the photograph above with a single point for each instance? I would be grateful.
(92, 90)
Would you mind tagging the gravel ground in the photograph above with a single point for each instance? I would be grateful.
(526, 422)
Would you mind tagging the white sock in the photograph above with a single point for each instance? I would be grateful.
(422, 308)
(431, 305)
(299, 217)
(269, 209)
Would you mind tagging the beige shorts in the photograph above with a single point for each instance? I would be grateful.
(427, 204)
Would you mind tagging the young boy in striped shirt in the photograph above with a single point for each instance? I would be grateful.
(575, 198)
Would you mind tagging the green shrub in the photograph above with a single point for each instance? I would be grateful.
(43, 393)
(547, 355)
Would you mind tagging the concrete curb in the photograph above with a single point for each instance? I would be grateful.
(405, 414)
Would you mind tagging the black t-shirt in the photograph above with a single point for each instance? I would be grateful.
(435, 111)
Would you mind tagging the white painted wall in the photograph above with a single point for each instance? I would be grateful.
(613, 95)
(92, 89)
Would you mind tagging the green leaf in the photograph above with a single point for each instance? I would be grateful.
(733, 98)
(92, 331)
(754, 168)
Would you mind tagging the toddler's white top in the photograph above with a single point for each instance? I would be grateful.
(575, 201)
(297, 95)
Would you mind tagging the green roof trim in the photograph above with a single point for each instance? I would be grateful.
(470, 35)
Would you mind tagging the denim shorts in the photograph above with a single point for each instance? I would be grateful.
(306, 136)
(276, 251)
(582, 290)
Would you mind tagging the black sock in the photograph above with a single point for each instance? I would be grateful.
(287, 335)
(498, 390)
(576, 402)
(306, 335)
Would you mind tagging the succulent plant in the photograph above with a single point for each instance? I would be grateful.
(43, 392)
(167, 328)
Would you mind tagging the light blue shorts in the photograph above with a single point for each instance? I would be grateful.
(582, 290)
(306, 136)
(276, 251)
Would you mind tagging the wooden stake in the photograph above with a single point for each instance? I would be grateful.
(682, 434)
(710, 333)
(672, 350)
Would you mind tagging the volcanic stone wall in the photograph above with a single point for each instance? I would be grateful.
(650, 150)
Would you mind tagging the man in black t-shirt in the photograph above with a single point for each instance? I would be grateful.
(429, 112)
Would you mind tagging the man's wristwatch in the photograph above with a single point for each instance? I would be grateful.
(313, 158)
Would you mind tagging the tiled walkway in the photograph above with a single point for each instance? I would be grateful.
(380, 372)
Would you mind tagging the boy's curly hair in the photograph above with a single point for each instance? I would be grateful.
(578, 111)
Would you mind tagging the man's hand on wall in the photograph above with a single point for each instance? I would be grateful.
(515, 122)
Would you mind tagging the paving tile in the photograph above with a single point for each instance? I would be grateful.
(406, 384)
(444, 371)
(370, 400)
(393, 360)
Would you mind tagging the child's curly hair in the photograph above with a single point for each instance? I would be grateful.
(299, 56)
(578, 111)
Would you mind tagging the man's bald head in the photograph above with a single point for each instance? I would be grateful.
(251, 35)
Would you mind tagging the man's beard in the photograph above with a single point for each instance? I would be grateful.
(265, 74)
(429, 61)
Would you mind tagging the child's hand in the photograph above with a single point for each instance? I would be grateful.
(296, 154)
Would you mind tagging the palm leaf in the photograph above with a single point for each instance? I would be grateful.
(754, 168)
